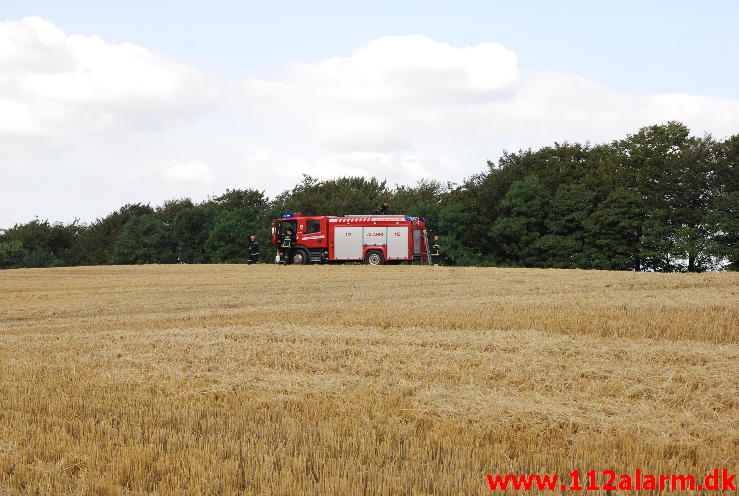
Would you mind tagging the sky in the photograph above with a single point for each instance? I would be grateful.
(107, 103)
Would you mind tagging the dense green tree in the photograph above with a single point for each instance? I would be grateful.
(725, 211)
(96, 242)
(342, 196)
(676, 175)
(561, 164)
(45, 244)
(726, 223)
(470, 225)
(12, 255)
(228, 241)
(144, 240)
(728, 170)
(568, 210)
(190, 230)
(234, 199)
(524, 212)
(657, 244)
(451, 228)
(556, 251)
(614, 232)
(692, 244)
(562, 245)
(167, 211)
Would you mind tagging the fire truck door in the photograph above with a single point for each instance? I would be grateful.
(348, 243)
(397, 242)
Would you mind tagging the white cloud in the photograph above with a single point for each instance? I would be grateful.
(62, 83)
(166, 172)
(414, 68)
(86, 125)
(189, 172)
(15, 118)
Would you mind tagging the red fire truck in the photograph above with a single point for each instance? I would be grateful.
(373, 239)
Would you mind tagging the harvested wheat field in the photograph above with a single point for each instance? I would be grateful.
(226, 379)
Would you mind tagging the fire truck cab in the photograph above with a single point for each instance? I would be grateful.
(372, 239)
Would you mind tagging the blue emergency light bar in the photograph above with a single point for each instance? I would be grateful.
(286, 216)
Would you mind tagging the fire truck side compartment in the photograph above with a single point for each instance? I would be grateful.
(348, 243)
(374, 236)
(397, 242)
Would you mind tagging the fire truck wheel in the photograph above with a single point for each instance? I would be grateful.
(374, 257)
(301, 257)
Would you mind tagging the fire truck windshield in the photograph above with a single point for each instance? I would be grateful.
(284, 225)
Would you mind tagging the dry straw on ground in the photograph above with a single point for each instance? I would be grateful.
(358, 380)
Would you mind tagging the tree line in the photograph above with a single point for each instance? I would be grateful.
(658, 200)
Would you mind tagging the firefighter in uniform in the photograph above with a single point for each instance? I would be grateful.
(287, 247)
(384, 209)
(436, 251)
(253, 250)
